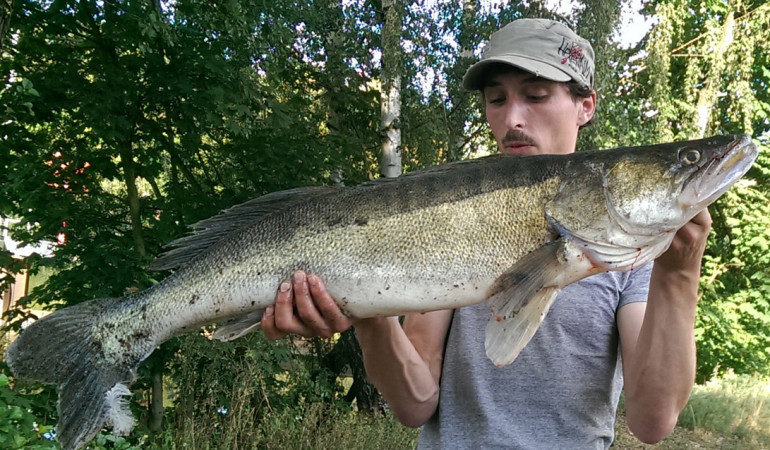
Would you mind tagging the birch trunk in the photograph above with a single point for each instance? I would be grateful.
(390, 92)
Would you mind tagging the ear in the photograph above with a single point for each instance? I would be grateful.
(587, 108)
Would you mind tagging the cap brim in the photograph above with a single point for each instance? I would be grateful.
(473, 79)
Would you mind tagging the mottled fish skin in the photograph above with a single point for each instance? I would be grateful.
(507, 228)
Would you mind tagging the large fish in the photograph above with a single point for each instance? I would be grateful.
(510, 229)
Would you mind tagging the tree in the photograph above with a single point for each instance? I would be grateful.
(390, 90)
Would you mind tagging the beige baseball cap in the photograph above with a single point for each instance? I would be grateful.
(544, 47)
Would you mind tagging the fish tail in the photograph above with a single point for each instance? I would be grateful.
(66, 349)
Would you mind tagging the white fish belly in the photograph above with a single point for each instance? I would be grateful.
(393, 297)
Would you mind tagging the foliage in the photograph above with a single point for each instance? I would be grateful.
(314, 425)
(128, 121)
(19, 427)
(734, 312)
(263, 376)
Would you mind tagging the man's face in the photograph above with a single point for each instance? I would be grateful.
(529, 115)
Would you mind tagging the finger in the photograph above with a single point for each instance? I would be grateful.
(285, 319)
(306, 307)
(696, 231)
(268, 325)
(326, 305)
(703, 218)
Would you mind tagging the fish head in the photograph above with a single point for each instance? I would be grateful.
(657, 189)
(623, 206)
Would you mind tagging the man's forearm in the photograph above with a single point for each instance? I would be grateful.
(662, 371)
(396, 368)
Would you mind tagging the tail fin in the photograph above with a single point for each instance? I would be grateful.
(65, 349)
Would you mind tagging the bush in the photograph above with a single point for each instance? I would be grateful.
(19, 426)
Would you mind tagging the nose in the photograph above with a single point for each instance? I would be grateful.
(515, 115)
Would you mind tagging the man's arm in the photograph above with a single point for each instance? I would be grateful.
(403, 362)
(657, 339)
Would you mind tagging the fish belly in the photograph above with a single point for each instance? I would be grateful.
(392, 297)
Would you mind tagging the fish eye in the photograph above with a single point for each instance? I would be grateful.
(689, 156)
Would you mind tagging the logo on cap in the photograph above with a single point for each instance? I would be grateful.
(572, 54)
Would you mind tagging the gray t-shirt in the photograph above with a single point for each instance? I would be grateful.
(560, 393)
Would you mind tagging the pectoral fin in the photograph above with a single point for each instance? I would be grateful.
(521, 297)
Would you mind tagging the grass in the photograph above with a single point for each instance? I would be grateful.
(317, 427)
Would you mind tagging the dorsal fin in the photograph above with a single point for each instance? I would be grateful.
(441, 168)
(209, 231)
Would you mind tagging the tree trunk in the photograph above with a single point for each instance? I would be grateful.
(6, 10)
(156, 404)
(390, 92)
(129, 174)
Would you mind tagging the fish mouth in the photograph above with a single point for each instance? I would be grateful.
(715, 177)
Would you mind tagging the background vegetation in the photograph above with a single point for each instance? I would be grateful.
(124, 122)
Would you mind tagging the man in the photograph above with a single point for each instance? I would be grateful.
(562, 391)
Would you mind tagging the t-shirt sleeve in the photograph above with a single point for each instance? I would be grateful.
(637, 286)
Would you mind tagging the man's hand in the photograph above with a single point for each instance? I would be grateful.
(686, 250)
(303, 306)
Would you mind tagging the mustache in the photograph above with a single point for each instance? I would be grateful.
(517, 136)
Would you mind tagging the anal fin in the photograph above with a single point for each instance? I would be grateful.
(522, 295)
(238, 327)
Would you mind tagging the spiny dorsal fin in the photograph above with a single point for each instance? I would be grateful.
(209, 231)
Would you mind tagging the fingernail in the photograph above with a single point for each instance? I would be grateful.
(269, 310)
(285, 286)
(312, 280)
(299, 277)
